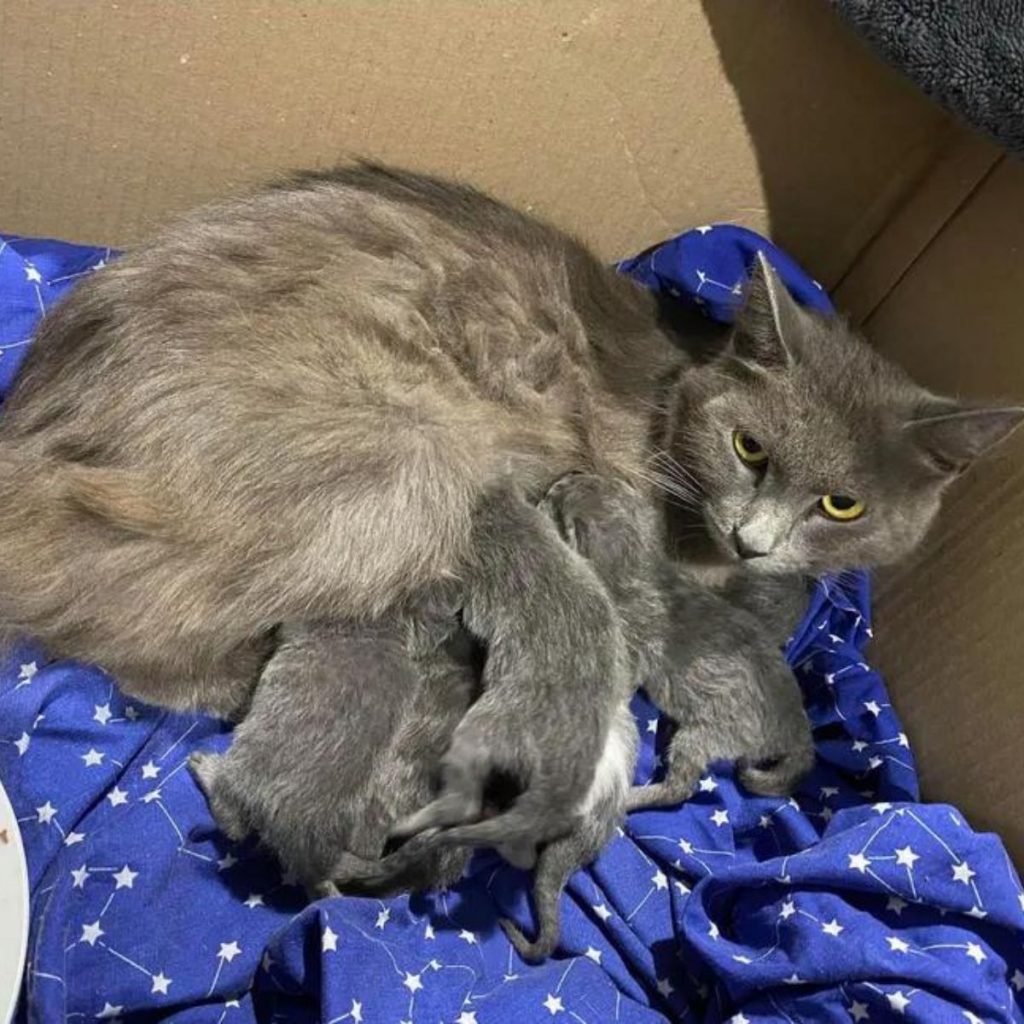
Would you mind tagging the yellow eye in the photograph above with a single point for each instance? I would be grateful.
(749, 449)
(841, 507)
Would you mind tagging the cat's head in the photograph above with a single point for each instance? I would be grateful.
(807, 451)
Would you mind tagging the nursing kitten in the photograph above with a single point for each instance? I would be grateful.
(290, 406)
(709, 665)
(344, 736)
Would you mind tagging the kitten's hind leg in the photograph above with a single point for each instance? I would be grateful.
(227, 810)
(686, 762)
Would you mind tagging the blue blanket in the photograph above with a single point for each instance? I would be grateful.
(853, 901)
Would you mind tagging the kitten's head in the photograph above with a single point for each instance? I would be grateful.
(809, 451)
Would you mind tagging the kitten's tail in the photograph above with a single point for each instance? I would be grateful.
(781, 777)
(556, 863)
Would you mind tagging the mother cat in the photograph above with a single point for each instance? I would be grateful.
(292, 405)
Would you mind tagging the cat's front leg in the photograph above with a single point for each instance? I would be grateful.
(556, 670)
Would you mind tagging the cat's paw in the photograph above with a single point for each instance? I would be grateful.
(588, 510)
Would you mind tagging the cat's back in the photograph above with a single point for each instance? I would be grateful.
(336, 264)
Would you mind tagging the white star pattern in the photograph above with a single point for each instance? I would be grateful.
(125, 878)
(160, 984)
(553, 1004)
(858, 862)
(150, 770)
(117, 797)
(708, 784)
(109, 1012)
(102, 714)
(963, 873)
(228, 951)
(720, 817)
(832, 927)
(22, 744)
(46, 813)
(906, 856)
(898, 1002)
(858, 1011)
(91, 933)
(329, 941)
(975, 952)
(79, 876)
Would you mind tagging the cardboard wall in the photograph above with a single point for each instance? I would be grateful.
(950, 627)
(626, 120)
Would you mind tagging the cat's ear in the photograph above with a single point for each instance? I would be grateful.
(770, 321)
(952, 436)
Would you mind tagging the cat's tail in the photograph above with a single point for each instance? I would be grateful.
(556, 863)
(782, 776)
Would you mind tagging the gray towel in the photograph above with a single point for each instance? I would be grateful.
(966, 54)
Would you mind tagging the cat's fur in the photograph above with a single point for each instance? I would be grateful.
(294, 406)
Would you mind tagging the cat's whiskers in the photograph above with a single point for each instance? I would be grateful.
(675, 468)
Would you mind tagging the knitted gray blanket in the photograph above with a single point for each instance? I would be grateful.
(966, 54)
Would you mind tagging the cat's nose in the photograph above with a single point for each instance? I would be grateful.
(744, 548)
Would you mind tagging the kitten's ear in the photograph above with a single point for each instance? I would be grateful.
(953, 436)
(770, 321)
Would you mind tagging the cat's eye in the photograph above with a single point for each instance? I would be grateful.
(841, 507)
(749, 449)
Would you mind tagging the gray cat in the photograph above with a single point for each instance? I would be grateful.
(709, 665)
(345, 732)
(295, 405)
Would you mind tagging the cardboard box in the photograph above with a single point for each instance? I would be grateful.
(626, 120)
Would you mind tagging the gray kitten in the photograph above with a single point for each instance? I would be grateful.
(351, 724)
(293, 406)
(345, 732)
(709, 665)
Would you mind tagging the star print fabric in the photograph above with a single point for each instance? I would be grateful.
(853, 901)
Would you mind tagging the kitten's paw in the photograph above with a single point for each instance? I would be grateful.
(204, 768)
(592, 511)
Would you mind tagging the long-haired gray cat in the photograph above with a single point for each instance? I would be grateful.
(319, 399)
